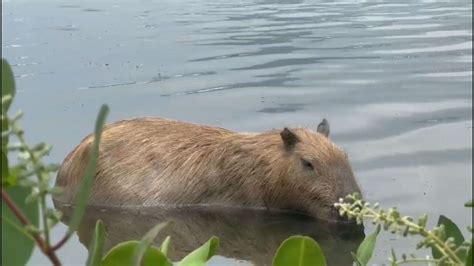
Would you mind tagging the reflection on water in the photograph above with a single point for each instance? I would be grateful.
(248, 235)
(392, 77)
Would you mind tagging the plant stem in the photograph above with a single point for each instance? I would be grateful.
(415, 260)
(21, 217)
(41, 177)
(42, 244)
(439, 244)
(45, 220)
(62, 241)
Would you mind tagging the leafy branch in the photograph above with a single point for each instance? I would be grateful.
(449, 244)
(25, 202)
(31, 164)
(42, 244)
(17, 182)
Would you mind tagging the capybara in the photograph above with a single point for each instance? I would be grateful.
(156, 161)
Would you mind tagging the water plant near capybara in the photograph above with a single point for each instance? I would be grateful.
(155, 161)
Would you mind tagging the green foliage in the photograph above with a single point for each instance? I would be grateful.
(8, 92)
(122, 254)
(393, 259)
(15, 237)
(8, 86)
(87, 180)
(5, 129)
(452, 231)
(468, 204)
(445, 238)
(469, 256)
(17, 243)
(200, 256)
(96, 246)
(7, 179)
(145, 243)
(28, 184)
(366, 248)
(136, 253)
(165, 246)
(28, 199)
(301, 251)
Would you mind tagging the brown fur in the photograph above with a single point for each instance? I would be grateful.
(154, 161)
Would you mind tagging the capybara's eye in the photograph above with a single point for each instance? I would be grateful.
(307, 164)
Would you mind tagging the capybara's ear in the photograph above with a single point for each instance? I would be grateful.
(323, 127)
(289, 138)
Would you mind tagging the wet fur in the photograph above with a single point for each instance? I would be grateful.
(155, 161)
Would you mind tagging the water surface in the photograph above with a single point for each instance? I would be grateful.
(392, 77)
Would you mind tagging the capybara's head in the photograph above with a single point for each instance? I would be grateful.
(319, 171)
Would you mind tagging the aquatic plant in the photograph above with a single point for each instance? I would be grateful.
(446, 241)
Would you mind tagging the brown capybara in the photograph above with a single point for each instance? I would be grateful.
(155, 161)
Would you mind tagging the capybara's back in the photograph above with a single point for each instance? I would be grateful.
(155, 161)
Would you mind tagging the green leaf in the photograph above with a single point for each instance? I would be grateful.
(12, 178)
(5, 170)
(301, 251)
(469, 256)
(200, 256)
(5, 128)
(366, 248)
(96, 246)
(146, 242)
(356, 260)
(15, 239)
(8, 89)
(469, 204)
(394, 257)
(87, 180)
(122, 254)
(8, 84)
(165, 246)
(451, 230)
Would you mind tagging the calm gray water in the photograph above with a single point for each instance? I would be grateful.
(392, 77)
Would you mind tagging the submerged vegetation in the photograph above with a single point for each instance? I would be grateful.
(27, 220)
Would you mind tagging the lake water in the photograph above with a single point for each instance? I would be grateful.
(392, 77)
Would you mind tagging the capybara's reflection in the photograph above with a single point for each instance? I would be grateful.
(245, 234)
